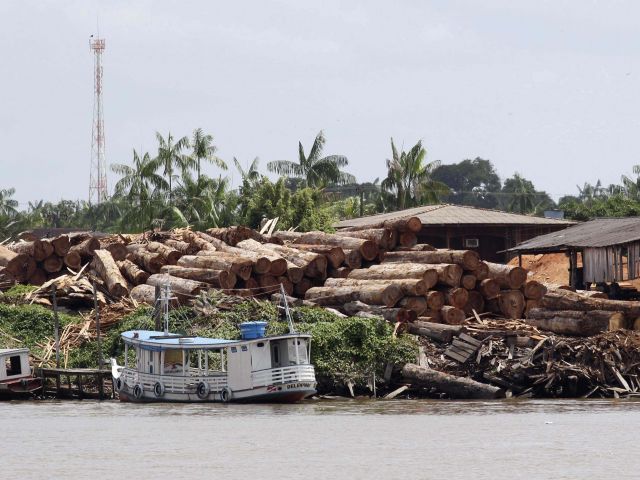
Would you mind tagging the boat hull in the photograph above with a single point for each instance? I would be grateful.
(285, 393)
(21, 388)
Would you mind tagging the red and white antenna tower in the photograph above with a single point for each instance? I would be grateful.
(98, 175)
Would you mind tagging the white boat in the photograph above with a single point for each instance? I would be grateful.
(16, 375)
(162, 367)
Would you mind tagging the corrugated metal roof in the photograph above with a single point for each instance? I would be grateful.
(601, 232)
(446, 214)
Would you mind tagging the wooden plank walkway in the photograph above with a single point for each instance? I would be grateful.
(77, 382)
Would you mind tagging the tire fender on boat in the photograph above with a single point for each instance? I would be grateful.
(202, 390)
(138, 391)
(225, 394)
(158, 389)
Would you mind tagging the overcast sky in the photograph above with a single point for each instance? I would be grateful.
(548, 89)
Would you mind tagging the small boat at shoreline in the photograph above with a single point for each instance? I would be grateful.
(17, 380)
(164, 367)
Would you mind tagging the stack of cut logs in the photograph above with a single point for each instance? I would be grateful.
(380, 270)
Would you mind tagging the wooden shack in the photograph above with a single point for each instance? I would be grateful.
(489, 232)
(604, 250)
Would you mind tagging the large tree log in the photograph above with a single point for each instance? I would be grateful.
(38, 277)
(197, 243)
(415, 304)
(19, 265)
(475, 302)
(482, 272)
(183, 247)
(223, 279)
(456, 296)
(73, 261)
(407, 239)
(264, 261)
(448, 274)
(302, 286)
(61, 245)
(118, 251)
(534, 290)
(435, 300)
(511, 303)
(418, 247)
(573, 322)
(181, 286)
(108, 270)
(143, 294)
(52, 264)
(335, 255)
(455, 387)
(151, 262)
(468, 281)
(410, 286)
(233, 235)
(352, 258)
(452, 315)
(168, 254)
(132, 272)
(313, 265)
(391, 271)
(37, 249)
(507, 276)
(567, 300)
(367, 248)
(342, 272)
(86, 247)
(219, 261)
(436, 331)
(412, 224)
(385, 238)
(6, 278)
(387, 295)
(392, 315)
(467, 259)
(489, 288)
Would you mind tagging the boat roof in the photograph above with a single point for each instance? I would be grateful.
(158, 340)
(13, 351)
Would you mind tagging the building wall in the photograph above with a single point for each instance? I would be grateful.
(491, 239)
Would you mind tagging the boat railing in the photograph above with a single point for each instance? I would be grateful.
(294, 373)
(174, 383)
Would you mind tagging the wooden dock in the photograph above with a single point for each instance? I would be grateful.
(77, 383)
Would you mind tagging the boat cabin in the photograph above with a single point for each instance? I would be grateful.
(14, 363)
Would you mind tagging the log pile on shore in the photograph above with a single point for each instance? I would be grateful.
(439, 295)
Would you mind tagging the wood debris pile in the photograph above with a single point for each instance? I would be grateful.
(526, 362)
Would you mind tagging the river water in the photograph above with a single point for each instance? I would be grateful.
(325, 439)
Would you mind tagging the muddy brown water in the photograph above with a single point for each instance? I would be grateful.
(325, 439)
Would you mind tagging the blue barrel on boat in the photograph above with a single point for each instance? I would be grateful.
(252, 330)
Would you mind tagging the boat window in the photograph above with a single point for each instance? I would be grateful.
(215, 361)
(244, 348)
(173, 362)
(13, 366)
(260, 344)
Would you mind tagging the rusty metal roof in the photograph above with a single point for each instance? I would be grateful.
(601, 232)
(446, 214)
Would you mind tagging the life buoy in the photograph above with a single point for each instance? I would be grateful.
(225, 395)
(138, 391)
(119, 384)
(202, 390)
(158, 389)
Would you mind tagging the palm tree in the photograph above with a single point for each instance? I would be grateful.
(315, 170)
(201, 200)
(138, 183)
(410, 178)
(204, 149)
(170, 156)
(250, 176)
(631, 186)
(8, 206)
(523, 194)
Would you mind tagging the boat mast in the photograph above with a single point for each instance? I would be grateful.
(166, 294)
(285, 305)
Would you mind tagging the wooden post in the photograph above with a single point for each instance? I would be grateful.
(56, 327)
(520, 259)
(157, 312)
(97, 309)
